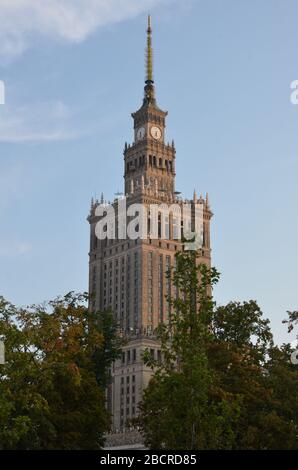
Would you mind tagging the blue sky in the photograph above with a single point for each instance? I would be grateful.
(74, 72)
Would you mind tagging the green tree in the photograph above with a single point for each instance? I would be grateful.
(259, 373)
(292, 320)
(183, 407)
(222, 383)
(51, 387)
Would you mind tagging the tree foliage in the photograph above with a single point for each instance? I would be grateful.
(52, 384)
(222, 383)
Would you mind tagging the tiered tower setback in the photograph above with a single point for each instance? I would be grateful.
(129, 276)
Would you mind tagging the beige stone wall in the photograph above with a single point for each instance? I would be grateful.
(129, 379)
(120, 279)
(117, 281)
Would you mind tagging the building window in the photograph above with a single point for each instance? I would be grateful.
(160, 288)
(136, 289)
(168, 283)
(176, 235)
(150, 287)
(159, 355)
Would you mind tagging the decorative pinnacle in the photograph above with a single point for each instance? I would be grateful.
(195, 197)
(149, 92)
(149, 61)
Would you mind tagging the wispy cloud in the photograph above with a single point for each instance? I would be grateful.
(12, 189)
(49, 122)
(15, 248)
(11, 177)
(66, 20)
(46, 121)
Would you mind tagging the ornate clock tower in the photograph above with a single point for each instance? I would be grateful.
(129, 276)
(149, 161)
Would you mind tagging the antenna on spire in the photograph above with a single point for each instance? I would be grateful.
(149, 92)
(149, 57)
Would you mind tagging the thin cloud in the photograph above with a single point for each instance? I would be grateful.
(66, 20)
(12, 249)
(11, 177)
(49, 122)
(41, 122)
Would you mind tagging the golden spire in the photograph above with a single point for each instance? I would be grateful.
(149, 98)
(149, 58)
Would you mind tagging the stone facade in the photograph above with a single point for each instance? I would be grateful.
(129, 276)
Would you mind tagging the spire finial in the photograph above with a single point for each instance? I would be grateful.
(195, 197)
(149, 98)
(149, 62)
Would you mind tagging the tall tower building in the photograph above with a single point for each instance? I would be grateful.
(129, 275)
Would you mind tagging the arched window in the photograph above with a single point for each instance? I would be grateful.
(95, 241)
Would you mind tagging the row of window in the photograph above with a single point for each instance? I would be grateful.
(158, 163)
(129, 356)
(136, 163)
(127, 398)
(150, 289)
(162, 294)
(153, 161)
(166, 227)
(112, 241)
(160, 289)
(118, 277)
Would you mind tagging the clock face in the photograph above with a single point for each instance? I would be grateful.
(141, 133)
(156, 132)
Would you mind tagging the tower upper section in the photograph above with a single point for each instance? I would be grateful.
(149, 161)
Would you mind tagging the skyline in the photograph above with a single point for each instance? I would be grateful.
(58, 149)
